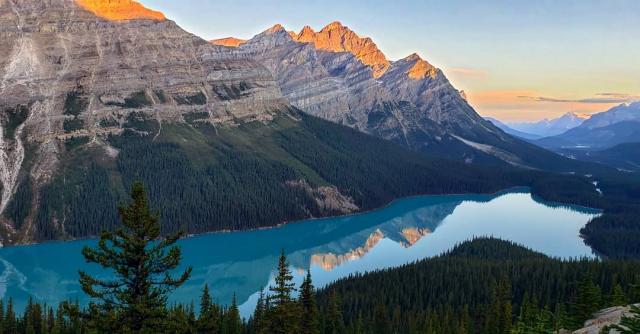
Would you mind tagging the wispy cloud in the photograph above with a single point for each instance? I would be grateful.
(467, 72)
(597, 98)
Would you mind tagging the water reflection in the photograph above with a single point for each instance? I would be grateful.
(243, 262)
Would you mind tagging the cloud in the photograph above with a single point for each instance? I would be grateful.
(526, 105)
(467, 72)
(596, 99)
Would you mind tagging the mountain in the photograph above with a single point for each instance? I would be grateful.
(502, 126)
(623, 112)
(96, 95)
(596, 138)
(342, 77)
(623, 156)
(620, 124)
(552, 127)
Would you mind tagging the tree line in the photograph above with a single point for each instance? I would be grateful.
(481, 286)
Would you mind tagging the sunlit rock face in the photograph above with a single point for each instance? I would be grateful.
(120, 10)
(94, 63)
(229, 41)
(336, 37)
(328, 261)
(413, 235)
(336, 75)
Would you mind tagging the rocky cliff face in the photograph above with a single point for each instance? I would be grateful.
(78, 69)
(337, 38)
(339, 76)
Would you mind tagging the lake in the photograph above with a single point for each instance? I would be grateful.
(243, 263)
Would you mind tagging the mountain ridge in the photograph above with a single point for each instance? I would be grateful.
(618, 125)
(549, 127)
(412, 103)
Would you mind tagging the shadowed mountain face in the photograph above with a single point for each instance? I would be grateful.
(339, 76)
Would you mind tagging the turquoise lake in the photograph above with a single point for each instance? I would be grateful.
(243, 262)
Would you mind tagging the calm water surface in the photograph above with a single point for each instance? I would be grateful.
(243, 262)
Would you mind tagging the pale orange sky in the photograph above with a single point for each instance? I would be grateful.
(521, 105)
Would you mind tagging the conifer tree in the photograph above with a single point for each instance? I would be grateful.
(260, 325)
(310, 322)
(141, 261)
(209, 320)
(587, 302)
(10, 322)
(334, 323)
(2, 317)
(234, 322)
(283, 314)
(618, 297)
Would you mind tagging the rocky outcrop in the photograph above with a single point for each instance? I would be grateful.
(72, 69)
(602, 319)
(228, 41)
(336, 37)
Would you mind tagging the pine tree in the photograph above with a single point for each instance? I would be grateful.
(10, 322)
(259, 322)
(586, 303)
(560, 317)
(209, 320)
(618, 298)
(334, 323)
(141, 261)
(51, 320)
(2, 317)
(283, 316)
(310, 322)
(234, 322)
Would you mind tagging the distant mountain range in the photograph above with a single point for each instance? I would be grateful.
(546, 127)
(620, 124)
(506, 128)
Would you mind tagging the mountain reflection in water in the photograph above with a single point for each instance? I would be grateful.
(243, 262)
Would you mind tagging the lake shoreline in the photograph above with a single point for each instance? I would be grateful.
(314, 219)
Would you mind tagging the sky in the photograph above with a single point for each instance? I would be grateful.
(516, 60)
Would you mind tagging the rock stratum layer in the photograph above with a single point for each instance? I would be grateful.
(79, 69)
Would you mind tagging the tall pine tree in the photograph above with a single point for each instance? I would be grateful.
(142, 262)
(309, 322)
(284, 311)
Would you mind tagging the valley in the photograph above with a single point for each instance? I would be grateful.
(314, 181)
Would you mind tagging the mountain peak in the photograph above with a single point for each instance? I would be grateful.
(276, 27)
(335, 25)
(421, 68)
(228, 41)
(336, 37)
(120, 10)
(573, 115)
